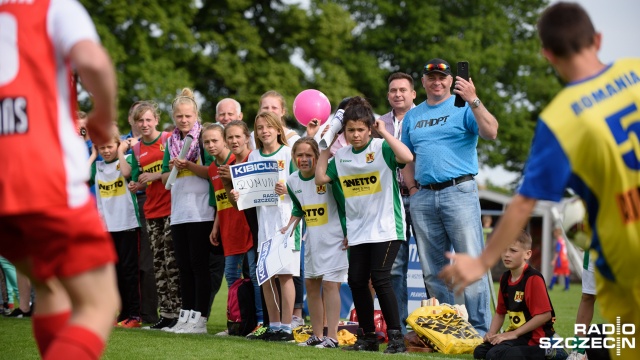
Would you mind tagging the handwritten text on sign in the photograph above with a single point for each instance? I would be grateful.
(256, 183)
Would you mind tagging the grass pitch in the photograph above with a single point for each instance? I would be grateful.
(16, 340)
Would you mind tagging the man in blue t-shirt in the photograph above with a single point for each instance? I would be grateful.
(446, 210)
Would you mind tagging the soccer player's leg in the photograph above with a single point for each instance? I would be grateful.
(623, 301)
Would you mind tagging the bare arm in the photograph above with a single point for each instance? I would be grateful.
(98, 77)
(487, 123)
(200, 170)
(125, 168)
(401, 151)
(321, 169)
(409, 176)
(294, 219)
(466, 269)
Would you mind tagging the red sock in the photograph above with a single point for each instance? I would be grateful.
(46, 327)
(75, 342)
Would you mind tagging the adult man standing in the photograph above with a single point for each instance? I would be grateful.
(401, 96)
(51, 229)
(446, 210)
(228, 110)
(583, 140)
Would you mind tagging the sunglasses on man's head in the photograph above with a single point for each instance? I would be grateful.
(432, 67)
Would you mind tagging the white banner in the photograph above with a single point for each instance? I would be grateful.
(274, 254)
(256, 183)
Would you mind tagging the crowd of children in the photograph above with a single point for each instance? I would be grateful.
(200, 210)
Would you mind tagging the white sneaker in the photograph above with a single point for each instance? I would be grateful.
(182, 321)
(223, 333)
(197, 324)
(296, 321)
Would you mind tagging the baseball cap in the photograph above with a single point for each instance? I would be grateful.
(437, 65)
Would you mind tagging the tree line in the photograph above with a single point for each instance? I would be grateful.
(242, 48)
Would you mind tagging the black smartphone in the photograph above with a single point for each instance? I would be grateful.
(463, 72)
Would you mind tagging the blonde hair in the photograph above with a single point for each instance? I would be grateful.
(283, 102)
(186, 97)
(145, 106)
(271, 119)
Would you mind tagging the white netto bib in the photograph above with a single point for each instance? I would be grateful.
(116, 204)
(323, 251)
(372, 201)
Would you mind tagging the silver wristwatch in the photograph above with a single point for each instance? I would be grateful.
(475, 103)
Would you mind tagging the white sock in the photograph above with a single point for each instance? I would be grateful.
(275, 326)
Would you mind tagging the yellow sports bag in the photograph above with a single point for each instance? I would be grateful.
(442, 328)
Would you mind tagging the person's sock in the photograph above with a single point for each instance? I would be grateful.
(286, 328)
(75, 342)
(46, 327)
(566, 283)
(275, 326)
(554, 280)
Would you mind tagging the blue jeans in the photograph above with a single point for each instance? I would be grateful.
(445, 220)
(233, 272)
(399, 271)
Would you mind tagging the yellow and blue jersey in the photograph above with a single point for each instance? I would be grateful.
(588, 139)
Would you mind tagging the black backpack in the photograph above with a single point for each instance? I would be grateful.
(241, 308)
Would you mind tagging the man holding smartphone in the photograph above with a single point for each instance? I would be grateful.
(445, 208)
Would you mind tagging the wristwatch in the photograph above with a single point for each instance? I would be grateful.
(475, 103)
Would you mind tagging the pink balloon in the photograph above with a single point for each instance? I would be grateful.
(311, 104)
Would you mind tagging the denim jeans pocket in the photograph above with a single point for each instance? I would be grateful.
(467, 186)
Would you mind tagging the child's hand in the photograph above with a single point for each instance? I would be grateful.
(488, 337)
(345, 243)
(312, 127)
(223, 171)
(235, 195)
(324, 131)
(497, 339)
(213, 237)
(181, 164)
(125, 145)
(380, 127)
(133, 186)
(281, 188)
(146, 177)
(132, 141)
(284, 230)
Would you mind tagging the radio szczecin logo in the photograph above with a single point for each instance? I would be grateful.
(617, 337)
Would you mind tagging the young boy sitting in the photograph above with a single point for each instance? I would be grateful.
(524, 298)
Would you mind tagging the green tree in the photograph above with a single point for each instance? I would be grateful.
(248, 47)
(151, 45)
(497, 38)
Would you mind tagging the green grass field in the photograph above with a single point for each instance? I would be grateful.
(16, 341)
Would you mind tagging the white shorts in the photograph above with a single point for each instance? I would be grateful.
(338, 276)
(293, 268)
(589, 280)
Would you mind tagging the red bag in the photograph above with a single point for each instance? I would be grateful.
(378, 320)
